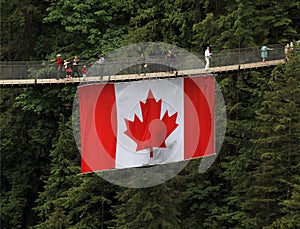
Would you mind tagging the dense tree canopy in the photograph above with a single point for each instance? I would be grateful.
(37, 29)
(254, 182)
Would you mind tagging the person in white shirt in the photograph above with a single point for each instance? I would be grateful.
(207, 55)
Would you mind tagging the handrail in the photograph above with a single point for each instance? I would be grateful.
(46, 69)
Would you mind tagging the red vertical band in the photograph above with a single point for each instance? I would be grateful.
(198, 117)
(98, 127)
(106, 122)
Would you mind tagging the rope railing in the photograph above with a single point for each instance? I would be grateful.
(131, 64)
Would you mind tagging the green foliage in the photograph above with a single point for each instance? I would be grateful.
(290, 207)
(155, 207)
(20, 28)
(88, 28)
(63, 170)
(247, 23)
(89, 203)
(253, 184)
(277, 176)
(25, 138)
(203, 200)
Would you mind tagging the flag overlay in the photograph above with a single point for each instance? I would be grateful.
(142, 123)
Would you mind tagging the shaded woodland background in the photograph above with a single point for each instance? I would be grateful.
(255, 181)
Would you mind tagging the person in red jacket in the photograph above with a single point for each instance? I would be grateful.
(59, 61)
(84, 72)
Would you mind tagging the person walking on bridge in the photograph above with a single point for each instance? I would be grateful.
(59, 61)
(286, 51)
(75, 64)
(264, 52)
(100, 62)
(68, 68)
(170, 57)
(207, 55)
(143, 64)
(84, 72)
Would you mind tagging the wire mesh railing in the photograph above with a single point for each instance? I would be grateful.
(133, 65)
(245, 55)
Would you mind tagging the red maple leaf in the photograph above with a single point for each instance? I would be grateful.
(151, 131)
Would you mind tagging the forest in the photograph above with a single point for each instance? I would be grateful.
(255, 180)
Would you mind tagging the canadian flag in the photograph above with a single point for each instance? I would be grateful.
(142, 123)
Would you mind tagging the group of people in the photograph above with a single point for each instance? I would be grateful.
(264, 54)
(170, 58)
(169, 62)
(288, 49)
(71, 66)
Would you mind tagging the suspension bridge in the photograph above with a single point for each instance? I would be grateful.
(28, 73)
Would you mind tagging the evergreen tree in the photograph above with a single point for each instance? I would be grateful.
(26, 137)
(88, 28)
(290, 207)
(254, 182)
(204, 196)
(155, 207)
(63, 170)
(243, 95)
(20, 28)
(89, 203)
(275, 21)
(276, 177)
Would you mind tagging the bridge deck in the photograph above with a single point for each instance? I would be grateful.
(19, 82)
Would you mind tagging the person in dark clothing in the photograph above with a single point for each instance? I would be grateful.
(75, 64)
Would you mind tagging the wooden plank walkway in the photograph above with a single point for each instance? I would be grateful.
(213, 70)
